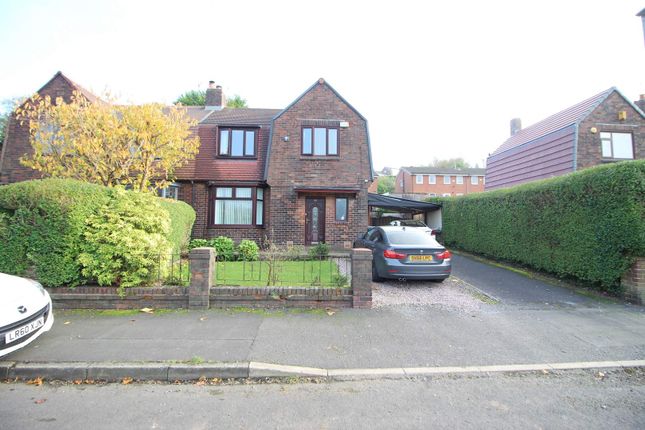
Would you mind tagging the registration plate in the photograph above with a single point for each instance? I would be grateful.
(421, 258)
(19, 332)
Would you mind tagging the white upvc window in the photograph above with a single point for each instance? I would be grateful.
(170, 192)
(432, 179)
(460, 180)
(459, 194)
(446, 194)
(617, 145)
(446, 179)
(419, 179)
(474, 180)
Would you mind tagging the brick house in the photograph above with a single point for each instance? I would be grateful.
(602, 129)
(421, 182)
(297, 175)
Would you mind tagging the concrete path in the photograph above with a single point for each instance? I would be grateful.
(534, 323)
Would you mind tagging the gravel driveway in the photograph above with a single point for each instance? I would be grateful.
(452, 294)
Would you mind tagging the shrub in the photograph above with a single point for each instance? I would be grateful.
(46, 225)
(587, 225)
(248, 250)
(43, 223)
(198, 243)
(125, 240)
(319, 251)
(224, 247)
(182, 218)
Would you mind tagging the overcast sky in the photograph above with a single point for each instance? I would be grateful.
(434, 79)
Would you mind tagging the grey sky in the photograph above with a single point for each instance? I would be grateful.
(434, 79)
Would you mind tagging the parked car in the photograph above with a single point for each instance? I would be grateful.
(413, 223)
(406, 253)
(25, 312)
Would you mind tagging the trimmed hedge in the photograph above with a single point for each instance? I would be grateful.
(45, 226)
(587, 225)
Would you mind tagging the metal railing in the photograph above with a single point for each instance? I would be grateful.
(285, 270)
(171, 269)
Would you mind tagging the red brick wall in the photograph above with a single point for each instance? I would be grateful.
(605, 118)
(17, 141)
(288, 169)
(411, 187)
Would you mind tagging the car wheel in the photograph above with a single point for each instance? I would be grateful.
(375, 276)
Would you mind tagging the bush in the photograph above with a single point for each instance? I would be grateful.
(319, 251)
(198, 243)
(46, 225)
(587, 225)
(182, 218)
(224, 247)
(43, 225)
(248, 250)
(125, 240)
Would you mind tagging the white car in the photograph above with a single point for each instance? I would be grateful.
(25, 312)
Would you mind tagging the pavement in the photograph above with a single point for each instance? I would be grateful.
(530, 325)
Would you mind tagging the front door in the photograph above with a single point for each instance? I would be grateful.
(314, 220)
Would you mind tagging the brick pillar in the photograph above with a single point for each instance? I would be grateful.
(202, 274)
(634, 281)
(361, 278)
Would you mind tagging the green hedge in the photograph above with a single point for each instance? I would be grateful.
(63, 231)
(587, 225)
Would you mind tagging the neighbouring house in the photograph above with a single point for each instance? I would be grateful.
(418, 183)
(297, 175)
(602, 129)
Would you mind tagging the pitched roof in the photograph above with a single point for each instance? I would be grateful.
(570, 116)
(242, 116)
(424, 170)
(86, 93)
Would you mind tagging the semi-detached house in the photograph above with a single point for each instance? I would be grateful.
(297, 175)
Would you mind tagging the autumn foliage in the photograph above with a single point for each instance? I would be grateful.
(140, 146)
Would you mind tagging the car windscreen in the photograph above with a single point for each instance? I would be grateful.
(413, 224)
(410, 237)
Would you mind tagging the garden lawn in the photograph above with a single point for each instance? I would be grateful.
(305, 273)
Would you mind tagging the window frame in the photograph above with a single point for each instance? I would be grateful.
(164, 191)
(346, 209)
(212, 199)
(230, 130)
(474, 180)
(611, 145)
(459, 179)
(432, 179)
(312, 128)
(419, 179)
(449, 179)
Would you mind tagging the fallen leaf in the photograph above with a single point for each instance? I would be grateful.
(126, 381)
(330, 312)
(40, 401)
(147, 310)
(78, 382)
(67, 322)
(601, 375)
(546, 372)
(201, 381)
(203, 318)
(37, 381)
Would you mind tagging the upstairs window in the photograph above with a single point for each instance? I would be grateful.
(236, 142)
(446, 179)
(432, 179)
(474, 180)
(460, 180)
(419, 179)
(319, 141)
(617, 145)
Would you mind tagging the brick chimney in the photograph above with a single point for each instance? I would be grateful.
(215, 99)
(516, 126)
(641, 102)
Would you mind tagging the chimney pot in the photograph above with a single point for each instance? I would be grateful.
(211, 84)
(516, 126)
(215, 99)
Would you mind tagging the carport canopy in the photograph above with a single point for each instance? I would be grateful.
(399, 204)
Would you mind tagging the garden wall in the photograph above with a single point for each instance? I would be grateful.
(588, 225)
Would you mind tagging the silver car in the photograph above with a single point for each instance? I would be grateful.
(405, 253)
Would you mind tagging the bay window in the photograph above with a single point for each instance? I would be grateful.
(238, 206)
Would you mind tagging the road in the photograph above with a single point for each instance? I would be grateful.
(573, 400)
